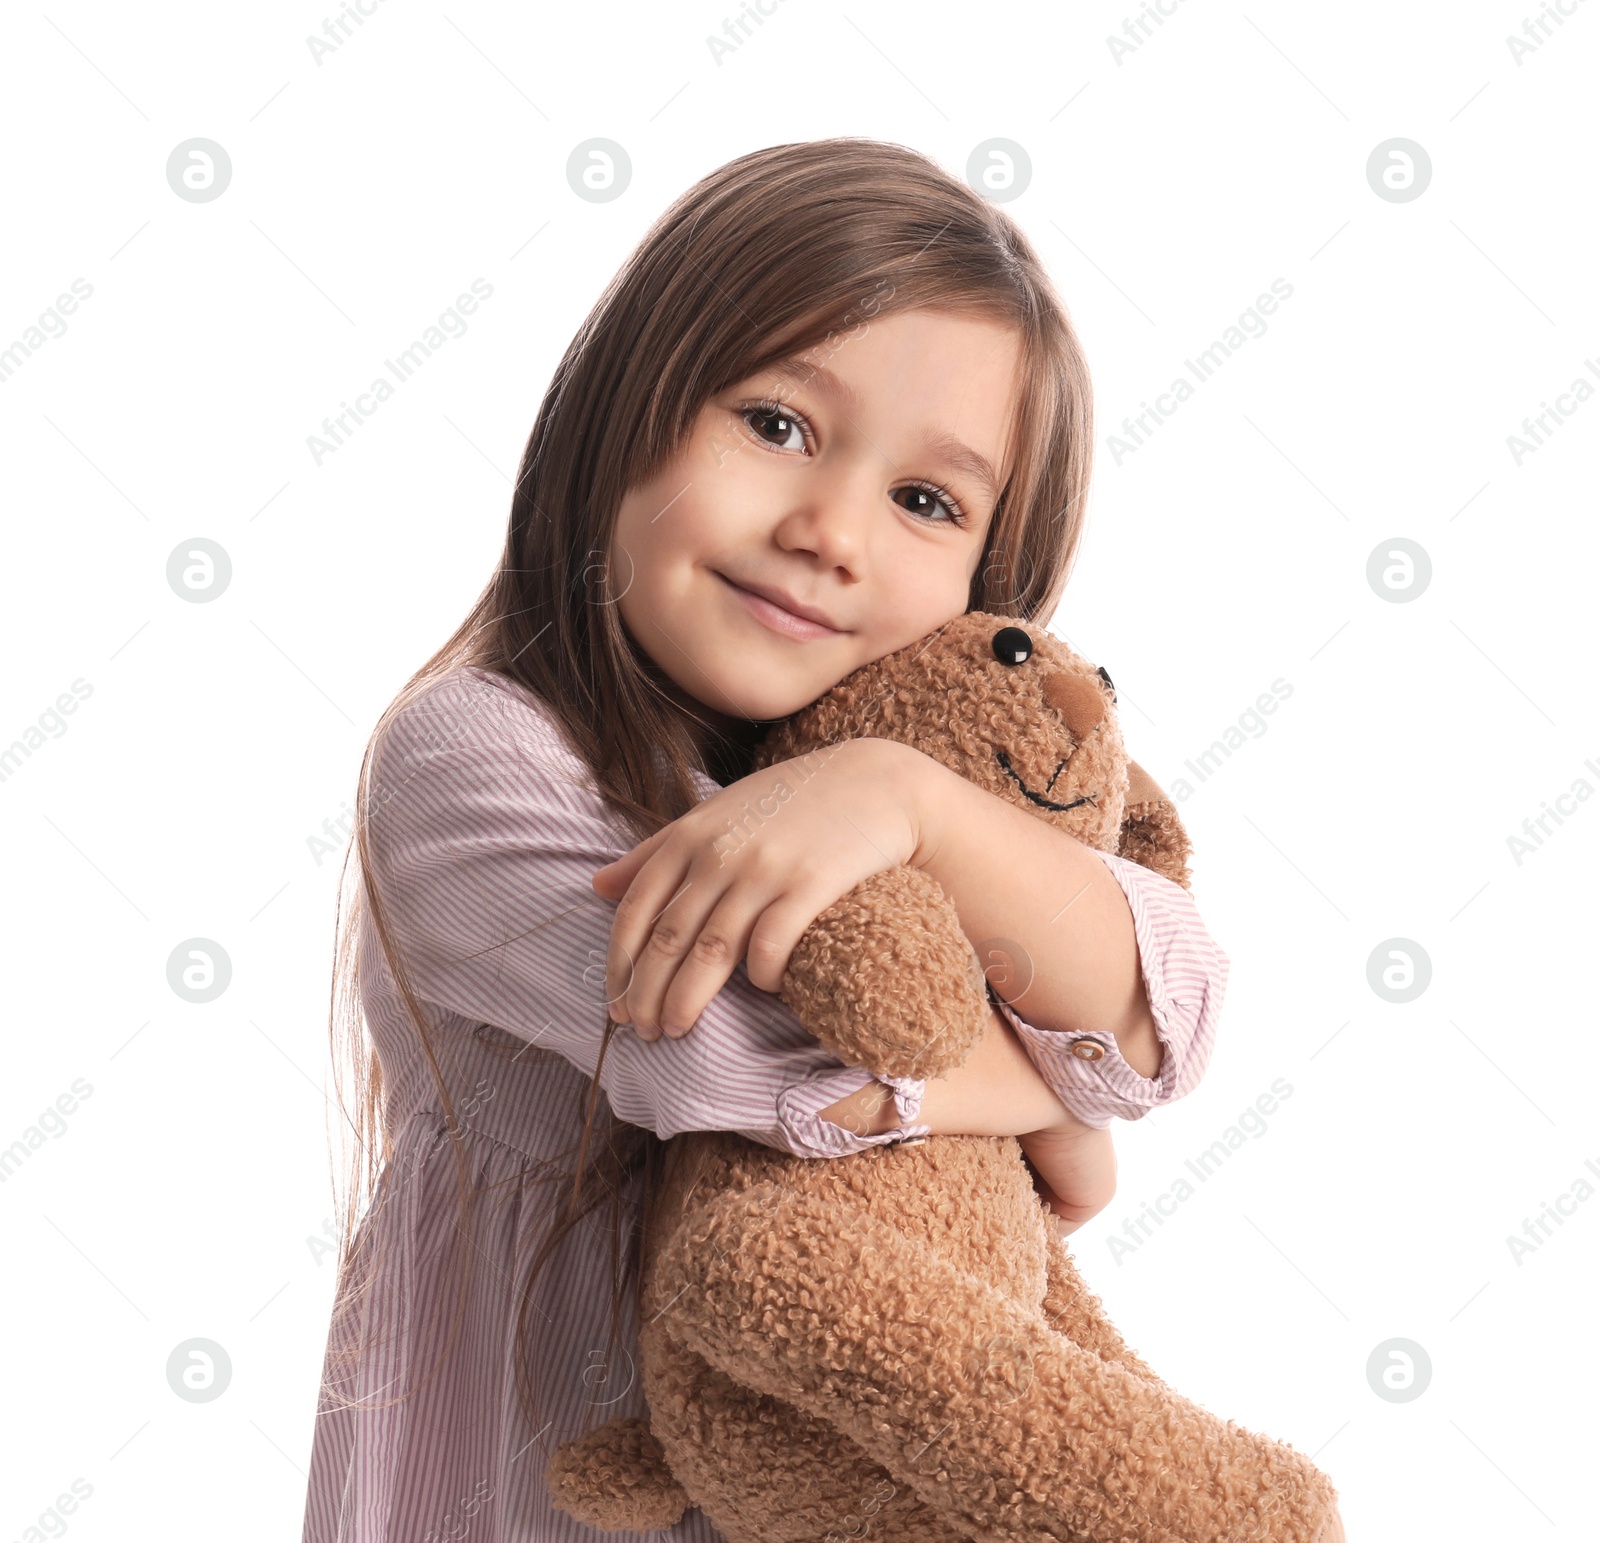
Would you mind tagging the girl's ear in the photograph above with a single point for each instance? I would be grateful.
(1152, 833)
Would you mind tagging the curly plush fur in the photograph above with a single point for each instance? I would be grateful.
(901, 1335)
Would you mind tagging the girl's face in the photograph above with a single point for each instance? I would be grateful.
(857, 483)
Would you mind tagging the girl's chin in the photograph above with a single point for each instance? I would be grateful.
(774, 702)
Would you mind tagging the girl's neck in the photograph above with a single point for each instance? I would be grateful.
(722, 741)
(725, 755)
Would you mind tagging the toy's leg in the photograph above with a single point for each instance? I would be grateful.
(1006, 1427)
(763, 1471)
(616, 1477)
(1073, 1310)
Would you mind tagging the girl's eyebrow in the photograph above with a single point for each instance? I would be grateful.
(960, 455)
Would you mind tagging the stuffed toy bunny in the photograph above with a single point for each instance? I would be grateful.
(898, 1341)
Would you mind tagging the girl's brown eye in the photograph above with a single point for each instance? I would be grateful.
(776, 422)
(933, 500)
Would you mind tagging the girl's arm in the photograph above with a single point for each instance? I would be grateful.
(1112, 983)
(1108, 959)
(996, 1091)
(485, 831)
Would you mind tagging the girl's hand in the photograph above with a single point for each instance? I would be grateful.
(1077, 1169)
(747, 870)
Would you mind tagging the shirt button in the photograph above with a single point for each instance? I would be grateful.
(1088, 1049)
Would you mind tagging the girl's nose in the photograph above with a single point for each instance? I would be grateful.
(1078, 699)
(831, 525)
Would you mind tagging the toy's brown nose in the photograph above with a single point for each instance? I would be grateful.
(1078, 699)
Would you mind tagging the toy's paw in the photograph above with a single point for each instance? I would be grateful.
(616, 1478)
(1153, 835)
(886, 978)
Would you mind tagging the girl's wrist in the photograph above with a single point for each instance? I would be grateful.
(914, 778)
(996, 1091)
(926, 793)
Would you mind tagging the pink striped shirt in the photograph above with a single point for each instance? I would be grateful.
(486, 829)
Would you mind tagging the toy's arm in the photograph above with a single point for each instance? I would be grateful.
(1009, 1429)
(886, 979)
(1152, 833)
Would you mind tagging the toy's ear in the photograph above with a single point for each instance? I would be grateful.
(1152, 833)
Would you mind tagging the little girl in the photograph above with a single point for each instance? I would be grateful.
(829, 404)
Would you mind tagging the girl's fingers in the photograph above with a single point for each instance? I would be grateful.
(672, 988)
(777, 932)
(702, 967)
(631, 931)
(613, 880)
(656, 944)
(767, 930)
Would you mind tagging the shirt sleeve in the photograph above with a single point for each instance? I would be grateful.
(1185, 976)
(485, 829)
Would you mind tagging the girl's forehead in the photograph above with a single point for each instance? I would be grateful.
(956, 376)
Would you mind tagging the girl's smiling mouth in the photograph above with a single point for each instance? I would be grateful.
(776, 617)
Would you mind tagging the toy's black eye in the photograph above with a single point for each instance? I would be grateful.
(1012, 646)
(1107, 679)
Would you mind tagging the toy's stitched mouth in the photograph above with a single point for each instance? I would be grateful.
(1039, 798)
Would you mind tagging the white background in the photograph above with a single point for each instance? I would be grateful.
(1168, 190)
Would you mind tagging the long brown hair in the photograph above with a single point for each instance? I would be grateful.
(784, 251)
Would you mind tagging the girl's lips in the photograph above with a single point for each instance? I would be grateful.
(783, 622)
